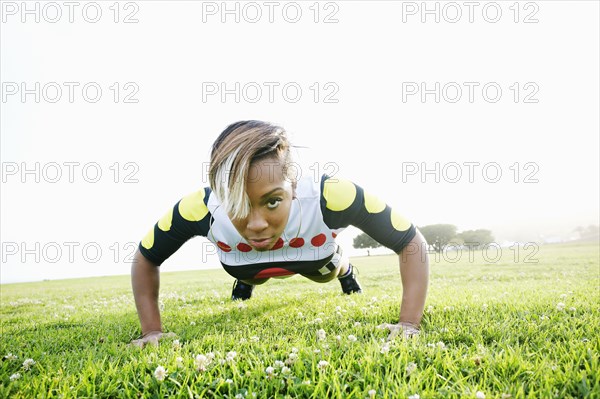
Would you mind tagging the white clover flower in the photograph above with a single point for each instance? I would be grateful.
(560, 306)
(294, 350)
(239, 396)
(372, 393)
(544, 317)
(179, 361)
(176, 344)
(269, 370)
(385, 349)
(374, 299)
(254, 338)
(357, 324)
(352, 338)
(210, 356)
(10, 356)
(441, 345)
(338, 308)
(160, 373)
(572, 309)
(15, 376)
(293, 356)
(317, 351)
(242, 305)
(230, 356)
(321, 334)
(323, 364)
(415, 396)
(563, 296)
(484, 306)
(318, 320)
(480, 395)
(229, 381)
(192, 323)
(28, 363)
(410, 367)
(307, 382)
(285, 370)
(429, 309)
(279, 364)
(201, 362)
(300, 315)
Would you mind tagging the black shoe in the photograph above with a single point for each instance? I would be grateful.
(349, 283)
(241, 291)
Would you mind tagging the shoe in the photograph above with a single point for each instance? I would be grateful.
(241, 291)
(349, 283)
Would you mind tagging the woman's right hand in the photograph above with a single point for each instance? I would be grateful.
(152, 338)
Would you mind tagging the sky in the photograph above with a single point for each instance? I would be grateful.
(481, 115)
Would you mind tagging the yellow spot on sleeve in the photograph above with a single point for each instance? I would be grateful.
(148, 241)
(165, 222)
(399, 222)
(373, 204)
(192, 207)
(339, 194)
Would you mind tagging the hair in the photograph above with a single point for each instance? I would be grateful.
(234, 151)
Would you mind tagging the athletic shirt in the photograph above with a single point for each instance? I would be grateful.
(307, 246)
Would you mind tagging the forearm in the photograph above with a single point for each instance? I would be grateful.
(145, 281)
(414, 271)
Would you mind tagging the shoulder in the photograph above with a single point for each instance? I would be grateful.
(337, 193)
(194, 206)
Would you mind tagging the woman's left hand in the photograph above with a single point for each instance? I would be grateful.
(405, 328)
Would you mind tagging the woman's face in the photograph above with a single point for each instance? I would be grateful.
(270, 202)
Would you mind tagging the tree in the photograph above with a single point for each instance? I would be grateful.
(363, 240)
(438, 235)
(474, 239)
(590, 232)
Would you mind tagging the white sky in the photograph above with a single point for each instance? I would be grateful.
(368, 61)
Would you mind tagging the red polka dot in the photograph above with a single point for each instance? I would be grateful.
(224, 247)
(278, 244)
(297, 242)
(333, 234)
(319, 240)
(244, 247)
(273, 272)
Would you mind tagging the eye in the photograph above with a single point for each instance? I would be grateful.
(273, 203)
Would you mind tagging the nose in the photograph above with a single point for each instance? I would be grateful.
(256, 222)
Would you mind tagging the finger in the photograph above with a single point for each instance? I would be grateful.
(386, 325)
(409, 334)
(394, 333)
(152, 340)
(169, 335)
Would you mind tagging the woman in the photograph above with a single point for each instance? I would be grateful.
(266, 223)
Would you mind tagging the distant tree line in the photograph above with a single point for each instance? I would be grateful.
(588, 233)
(438, 236)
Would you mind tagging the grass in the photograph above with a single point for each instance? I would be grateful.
(493, 329)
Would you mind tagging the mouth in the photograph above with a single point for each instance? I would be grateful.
(260, 243)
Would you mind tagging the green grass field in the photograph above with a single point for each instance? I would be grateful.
(512, 328)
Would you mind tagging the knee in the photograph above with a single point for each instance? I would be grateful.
(255, 281)
(322, 279)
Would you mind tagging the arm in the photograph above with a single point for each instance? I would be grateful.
(189, 217)
(344, 203)
(145, 281)
(414, 271)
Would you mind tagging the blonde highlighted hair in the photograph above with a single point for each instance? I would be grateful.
(234, 151)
